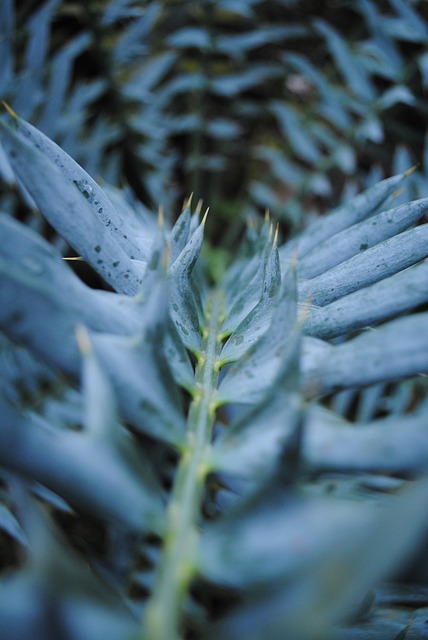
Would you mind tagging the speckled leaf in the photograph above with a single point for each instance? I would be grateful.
(257, 322)
(249, 378)
(122, 222)
(378, 262)
(362, 236)
(40, 262)
(183, 306)
(361, 207)
(388, 297)
(69, 210)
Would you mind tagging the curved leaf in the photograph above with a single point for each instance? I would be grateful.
(69, 210)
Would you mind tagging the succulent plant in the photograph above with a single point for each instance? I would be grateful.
(174, 460)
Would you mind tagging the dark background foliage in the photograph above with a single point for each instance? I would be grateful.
(291, 106)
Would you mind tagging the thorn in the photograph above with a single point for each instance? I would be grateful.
(204, 219)
(188, 202)
(199, 207)
(411, 170)
(161, 216)
(275, 238)
(267, 215)
(270, 230)
(83, 341)
(10, 111)
(398, 192)
(74, 258)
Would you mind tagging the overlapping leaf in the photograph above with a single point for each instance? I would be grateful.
(250, 377)
(70, 207)
(283, 593)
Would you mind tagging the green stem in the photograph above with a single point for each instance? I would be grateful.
(177, 565)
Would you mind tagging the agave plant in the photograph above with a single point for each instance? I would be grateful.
(172, 462)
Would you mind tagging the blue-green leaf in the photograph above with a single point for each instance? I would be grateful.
(361, 236)
(374, 264)
(104, 485)
(257, 322)
(70, 205)
(183, 304)
(361, 206)
(248, 379)
(388, 297)
(395, 350)
(392, 445)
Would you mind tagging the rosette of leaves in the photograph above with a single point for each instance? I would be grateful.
(168, 467)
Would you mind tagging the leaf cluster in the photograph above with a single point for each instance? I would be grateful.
(174, 461)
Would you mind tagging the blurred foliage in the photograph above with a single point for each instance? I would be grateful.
(291, 106)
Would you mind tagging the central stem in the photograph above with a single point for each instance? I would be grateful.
(177, 566)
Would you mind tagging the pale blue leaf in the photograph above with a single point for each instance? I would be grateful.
(395, 445)
(398, 94)
(396, 350)
(248, 380)
(183, 304)
(10, 525)
(104, 485)
(30, 92)
(39, 262)
(374, 264)
(360, 207)
(146, 392)
(252, 446)
(257, 322)
(69, 208)
(322, 557)
(361, 236)
(400, 292)
(60, 79)
(118, 220)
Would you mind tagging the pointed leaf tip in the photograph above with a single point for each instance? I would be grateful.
(83, 341)
(188, 202)
(275, 237)
(204, 219)
(10, 111)
(411, 170)
(161, 216)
